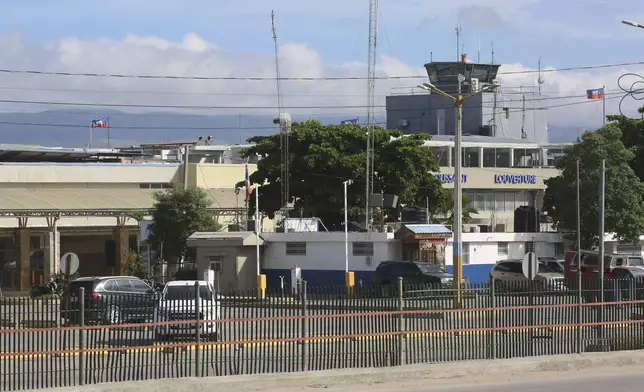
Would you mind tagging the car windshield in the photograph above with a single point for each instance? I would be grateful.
(178, 293)
(428, 269)
(635, 262)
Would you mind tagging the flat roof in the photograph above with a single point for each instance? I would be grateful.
(501, 142)
(27, 153)
(32, 201)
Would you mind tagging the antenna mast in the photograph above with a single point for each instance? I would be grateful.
(284, 144)
(371, 94)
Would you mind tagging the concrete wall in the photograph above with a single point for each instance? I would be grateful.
(323, 263)
(64, 175)
(212, 176)
(239, 266)
(423, 114)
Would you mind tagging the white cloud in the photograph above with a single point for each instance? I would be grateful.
(193, 56)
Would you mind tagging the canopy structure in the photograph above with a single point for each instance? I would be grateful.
(108, 202)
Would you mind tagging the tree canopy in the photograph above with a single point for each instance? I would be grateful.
(624, 208)
(176, 215)
(323, 156)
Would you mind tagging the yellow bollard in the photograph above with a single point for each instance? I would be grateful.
(261, 286)
(350, 282)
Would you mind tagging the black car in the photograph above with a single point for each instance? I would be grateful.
(109, 300)
(413, 273)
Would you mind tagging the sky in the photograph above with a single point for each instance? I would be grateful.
(316, 39)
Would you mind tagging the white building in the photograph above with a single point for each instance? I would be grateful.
(499, 176)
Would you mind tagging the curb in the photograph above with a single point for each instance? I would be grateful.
(351, 378)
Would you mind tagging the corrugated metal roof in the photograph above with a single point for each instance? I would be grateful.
(428, 229)
(207, 235)
(97, 199)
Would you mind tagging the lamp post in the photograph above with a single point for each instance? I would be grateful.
(457, 248)
(346, 226)
(633, 24)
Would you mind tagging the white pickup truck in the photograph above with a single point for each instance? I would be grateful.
(178, 302)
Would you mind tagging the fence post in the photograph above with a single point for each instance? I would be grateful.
(580, 301)
(401, 321)
(197, 331)
(305, 327)
(81, 337)
(492, 319)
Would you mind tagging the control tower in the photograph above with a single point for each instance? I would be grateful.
(444, 75)
(517, 113)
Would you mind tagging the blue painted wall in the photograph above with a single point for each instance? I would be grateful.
(475, 273)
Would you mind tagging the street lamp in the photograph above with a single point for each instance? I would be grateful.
(633, 24)
(457, 248)
(346, 226)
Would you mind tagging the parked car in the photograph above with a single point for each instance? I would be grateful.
(508, 276)
(555, 264)
(627, 284)
(412, 272)
(590, 267)
(109, 300)
(178, 303)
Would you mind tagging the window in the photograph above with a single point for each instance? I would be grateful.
(139, 286)
(503, 249)
(529, 247)
(155, 186)
(559, 249)
(466, 254)
(363, 248)
(296, 248)
(216, 263)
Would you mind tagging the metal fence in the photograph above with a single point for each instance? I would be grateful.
(84, 340)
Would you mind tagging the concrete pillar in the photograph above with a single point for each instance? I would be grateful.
(52, 248)
(52, 254)
(122, 238)
(23, 259)
(481, 157)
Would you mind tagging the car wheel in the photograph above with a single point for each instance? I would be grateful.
(113, 315)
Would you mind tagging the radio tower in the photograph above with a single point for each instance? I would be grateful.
(371, 94)
(284, 143)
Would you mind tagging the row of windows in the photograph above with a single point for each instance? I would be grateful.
(366, 249)
(497, 201)
(492, 157)
(155, 186)
(358, 248)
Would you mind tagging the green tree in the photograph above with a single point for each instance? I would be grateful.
(633, 139)
(624, 212)
(322, 157)
(176, 215)
(134, 265)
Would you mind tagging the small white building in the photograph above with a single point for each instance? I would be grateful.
(321, 255)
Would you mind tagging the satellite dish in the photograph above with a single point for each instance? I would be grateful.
(540, 80)
(69, 263)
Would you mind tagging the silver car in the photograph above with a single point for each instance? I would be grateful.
(508, 276)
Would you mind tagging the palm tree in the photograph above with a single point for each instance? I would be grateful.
(444, 212)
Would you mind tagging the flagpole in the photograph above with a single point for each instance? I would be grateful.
(108, 132)
(604, 106)
(91, 130)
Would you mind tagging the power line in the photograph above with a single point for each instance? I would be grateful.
(213, 107)
(268, 78)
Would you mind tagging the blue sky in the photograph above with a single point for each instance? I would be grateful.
(317, 38)
(564, 32)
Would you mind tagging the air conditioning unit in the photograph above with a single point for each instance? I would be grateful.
(475, 85)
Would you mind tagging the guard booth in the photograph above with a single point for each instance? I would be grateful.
(231, 255)
(424, 242)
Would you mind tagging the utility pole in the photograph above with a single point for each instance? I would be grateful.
(284, 134)
(602, 202)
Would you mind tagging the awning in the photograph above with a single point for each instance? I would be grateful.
(103, 202)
